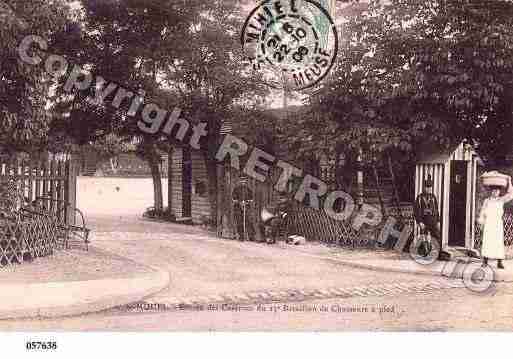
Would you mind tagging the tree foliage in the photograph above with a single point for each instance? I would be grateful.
(183, 55)
(24, 88)
(416, 70)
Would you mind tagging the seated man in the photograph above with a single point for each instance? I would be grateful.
(277, 224)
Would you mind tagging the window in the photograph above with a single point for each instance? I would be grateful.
(200, 188)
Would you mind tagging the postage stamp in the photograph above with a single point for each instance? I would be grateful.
(294, 43)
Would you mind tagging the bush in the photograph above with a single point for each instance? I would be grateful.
(166, 214)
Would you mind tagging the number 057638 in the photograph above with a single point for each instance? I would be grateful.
(38, 345)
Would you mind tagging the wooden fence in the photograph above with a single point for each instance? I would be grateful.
(25, 234)
(55, 180)
(316, 225)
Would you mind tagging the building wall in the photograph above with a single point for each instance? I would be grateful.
(441, 174)
(176, 182)
(200, 202)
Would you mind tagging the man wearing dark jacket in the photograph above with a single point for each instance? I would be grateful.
(426, 213)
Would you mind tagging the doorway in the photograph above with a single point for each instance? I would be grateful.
(458, 204)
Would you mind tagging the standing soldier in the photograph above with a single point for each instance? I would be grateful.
(242, 197)
(427, 216)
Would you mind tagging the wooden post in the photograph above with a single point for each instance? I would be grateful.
(258, 204)
(38, 181)
(221, 198)
(61, 190)
(71, 191)
(230, 175)
(46, 175)
(20, 179)
(30, 170)
(51, 194)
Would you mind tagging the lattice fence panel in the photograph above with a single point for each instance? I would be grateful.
(24, 239)
(24, 235)
(508, 230)
(316, 225)
(508, 235)
(30, 228)
(12, 249)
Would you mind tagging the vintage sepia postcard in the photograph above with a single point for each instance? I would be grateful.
(261, 166)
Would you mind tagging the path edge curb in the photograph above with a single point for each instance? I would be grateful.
(374, 267)
(159, 279)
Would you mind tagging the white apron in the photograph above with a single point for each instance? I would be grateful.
(493, 232)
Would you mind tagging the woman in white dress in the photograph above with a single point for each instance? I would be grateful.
(492, 226)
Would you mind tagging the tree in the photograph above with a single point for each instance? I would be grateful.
(210, 79)
(124, 42)
(180, 56)
(439, 69)
(24, 90)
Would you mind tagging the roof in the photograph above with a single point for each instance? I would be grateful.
(436, 154)
(433, 153)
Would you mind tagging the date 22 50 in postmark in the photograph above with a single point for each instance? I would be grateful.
(293, 42)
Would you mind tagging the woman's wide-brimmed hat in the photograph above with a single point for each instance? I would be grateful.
(495, 179)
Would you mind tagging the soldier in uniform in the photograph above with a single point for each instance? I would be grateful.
(242, 197)
(426, 214)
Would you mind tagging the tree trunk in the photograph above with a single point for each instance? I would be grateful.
(112, 166)
(157, 184)
(258, 205)
(150, 154)
(211, 165)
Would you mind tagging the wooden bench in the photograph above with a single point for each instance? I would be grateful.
(76, 233)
